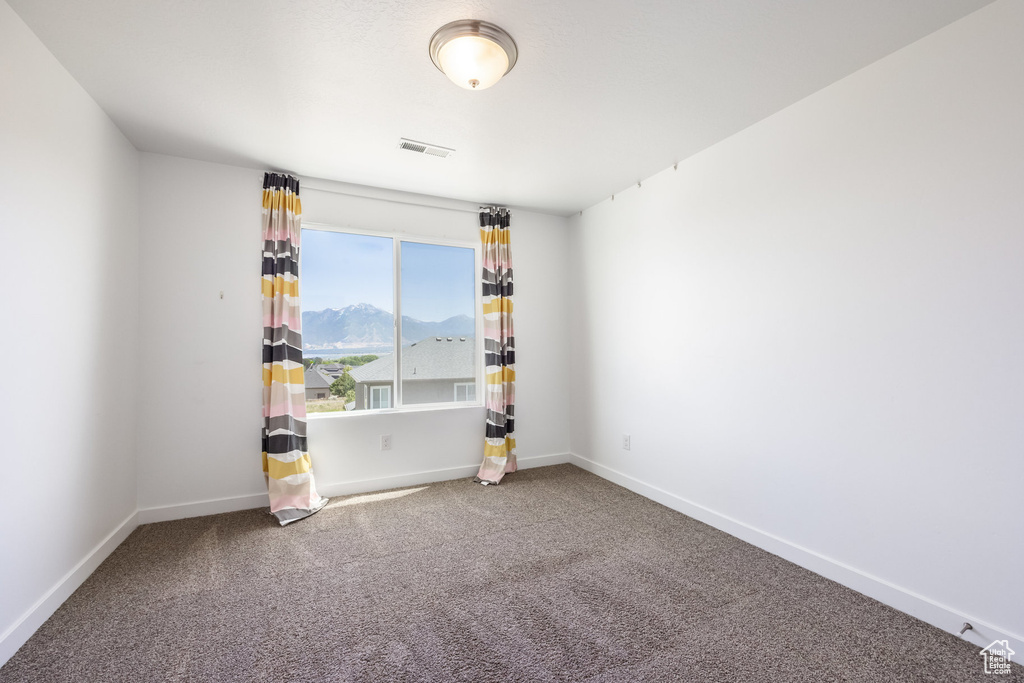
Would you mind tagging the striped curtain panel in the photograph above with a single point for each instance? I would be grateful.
(499, 346)
(286, 462)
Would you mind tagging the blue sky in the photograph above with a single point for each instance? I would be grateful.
(340, 269)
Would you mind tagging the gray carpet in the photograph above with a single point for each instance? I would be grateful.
(555, 575)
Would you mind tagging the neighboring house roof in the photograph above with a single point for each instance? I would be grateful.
(430, 358)
(380, 370)
(316, 379)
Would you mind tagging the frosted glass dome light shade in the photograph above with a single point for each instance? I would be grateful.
(472, 62)
(473, 54)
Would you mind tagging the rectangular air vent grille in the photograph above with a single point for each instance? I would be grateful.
(424, 148)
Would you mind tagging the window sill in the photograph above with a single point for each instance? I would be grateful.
(425, 408)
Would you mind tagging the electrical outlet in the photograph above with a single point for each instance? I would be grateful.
(385, 442)
(625, 442)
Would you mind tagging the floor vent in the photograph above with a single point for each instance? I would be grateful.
(424, 148)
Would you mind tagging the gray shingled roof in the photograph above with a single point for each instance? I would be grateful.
(317, 380)
(335, 370)
(430, 358)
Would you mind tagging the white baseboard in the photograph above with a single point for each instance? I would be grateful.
(907, 601)
(544, 460)
(202, 508)
(213, 507)
(16, 636)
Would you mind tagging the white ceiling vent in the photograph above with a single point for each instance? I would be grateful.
(424, 148)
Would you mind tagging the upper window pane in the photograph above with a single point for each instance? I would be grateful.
(438, 306)
(347, 290)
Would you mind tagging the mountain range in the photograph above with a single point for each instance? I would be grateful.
(365, 325)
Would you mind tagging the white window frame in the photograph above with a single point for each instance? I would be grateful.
(478, 337)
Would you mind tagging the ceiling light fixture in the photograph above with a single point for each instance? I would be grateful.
(474, 54)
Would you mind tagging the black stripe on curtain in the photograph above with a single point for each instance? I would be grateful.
(280, 181)
(495, 217)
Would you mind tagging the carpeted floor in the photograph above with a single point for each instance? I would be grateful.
(556, 575)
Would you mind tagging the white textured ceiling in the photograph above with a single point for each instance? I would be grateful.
(605, 93)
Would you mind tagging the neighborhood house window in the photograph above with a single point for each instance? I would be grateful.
(387, 322)
(380, 397)
(465, 391)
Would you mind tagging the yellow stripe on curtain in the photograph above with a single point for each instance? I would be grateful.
(279, 470)
(279, 285)
(504, 237)
(498, 305)
(282, 376)
(501, 376)
(274, 199)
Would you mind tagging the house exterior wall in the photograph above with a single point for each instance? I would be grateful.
(430, 391)
(413, 391)
(313, 394)
(363, 393)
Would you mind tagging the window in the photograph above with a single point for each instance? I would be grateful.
(465, 391)
(380, 397)
(391, 322)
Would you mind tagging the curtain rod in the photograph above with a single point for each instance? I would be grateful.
(307, 186)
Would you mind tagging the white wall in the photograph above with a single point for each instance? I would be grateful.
(69, 196)
(813, 330)
(199, 422)
(199, 350)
